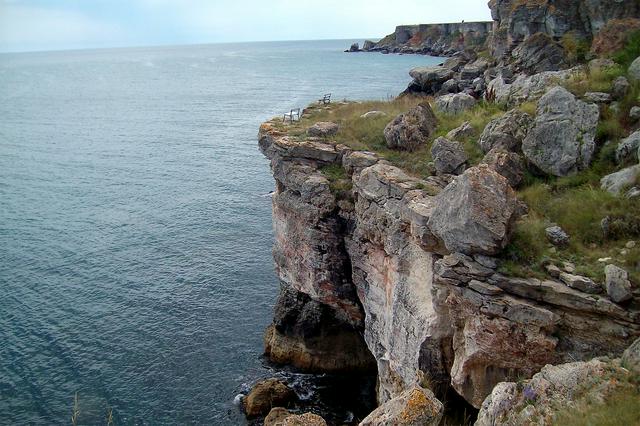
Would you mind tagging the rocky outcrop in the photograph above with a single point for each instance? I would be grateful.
(506, 163)
(556, 387)
(409, 263)
(267, 394)
(455, 103)
(414, 407)
(282, 417)
(506, 132)
(449, 157)
(410, 131)
(434, 39)
(561, 140)
(517, 20)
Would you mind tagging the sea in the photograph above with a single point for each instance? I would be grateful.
(136, 277)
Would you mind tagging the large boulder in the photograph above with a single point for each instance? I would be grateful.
(616, 182)
(539, 53)
(449, 156)
(414, 407)
(282, 417)
(430, 79)
(562, 139)
(631, 357)
(617, 283)
(634, 70)
(474, 214)
(266, 395)
(627, 150)
(506, 132)
(409, 131)
(508, 164)
(455, 103)
(323, 129)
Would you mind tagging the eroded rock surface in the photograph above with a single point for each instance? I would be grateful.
(414, 407)
(561, 140)
(411, 130)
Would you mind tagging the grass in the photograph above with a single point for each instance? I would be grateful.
(367, 134)
(630, 52)
(339, 182)
(594, 80)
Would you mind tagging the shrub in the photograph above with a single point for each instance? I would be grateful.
(630, 52)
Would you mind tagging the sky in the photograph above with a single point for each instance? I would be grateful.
(32, 25)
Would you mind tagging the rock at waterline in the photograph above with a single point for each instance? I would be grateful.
(266, 394)
(279, 416)
(414, 407)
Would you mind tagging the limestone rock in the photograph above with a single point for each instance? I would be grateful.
(474, 70)
(355, 161)
(323, 129)
(506, 132)
(620, 88)
(631, 357)
(455, 103)
(267, 394)
(465, 130)
(581, 283)
(411, 130)
(634, 70)
(598, 97)
(414, 407)
(549, 392)
(507, 164)
(373, 114)
(616, 182)
(430, 79)
(355, 47)
(279, 416)
(528, 88)
(557, 236)
(475, 212)
(634, 113)
(539, 53)
(368, 45)
(449, 156)
(561, 140)
(314, 337)
(617, 283)
(276, 416)
(627, 150)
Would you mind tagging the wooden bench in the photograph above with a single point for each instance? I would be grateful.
(326, 99)
(293, 115)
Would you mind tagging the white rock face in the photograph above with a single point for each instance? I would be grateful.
(562, 139)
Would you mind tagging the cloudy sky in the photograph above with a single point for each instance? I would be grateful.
(68, 24)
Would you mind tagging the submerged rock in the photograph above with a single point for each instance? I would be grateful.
(562, 139)
(410, 130)
(475, 212)
(414, 407)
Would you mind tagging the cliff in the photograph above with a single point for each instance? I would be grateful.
(412, 263)
(433, 39)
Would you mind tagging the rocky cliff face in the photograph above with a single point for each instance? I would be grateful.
(407, 264)
(517, 20)
(433, 39)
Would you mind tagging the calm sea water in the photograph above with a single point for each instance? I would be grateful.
(135, 234)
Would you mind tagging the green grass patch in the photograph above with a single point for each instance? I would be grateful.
(630, 52)
(620, 408)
